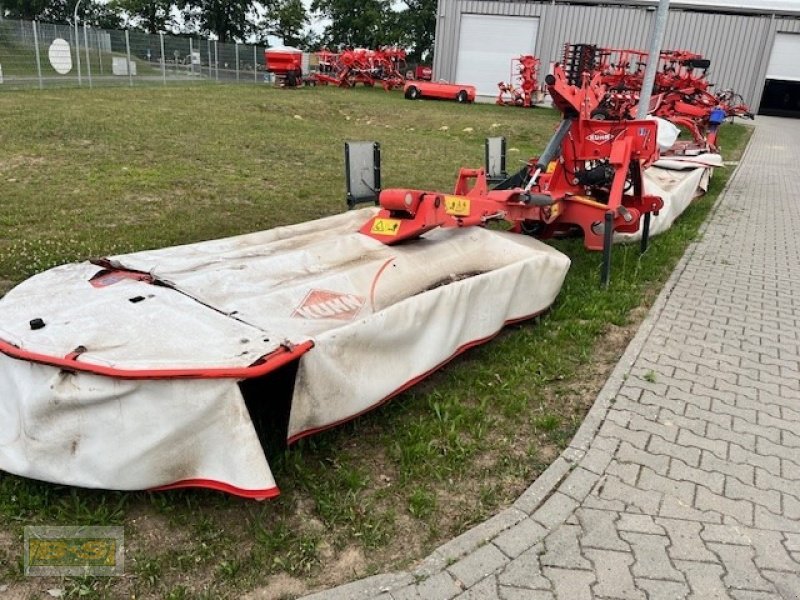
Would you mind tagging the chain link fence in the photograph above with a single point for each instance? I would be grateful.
(44, 55)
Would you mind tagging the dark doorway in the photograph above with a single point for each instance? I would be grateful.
(781, 98)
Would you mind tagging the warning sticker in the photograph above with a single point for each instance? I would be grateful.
(385, 226)
(457, 206)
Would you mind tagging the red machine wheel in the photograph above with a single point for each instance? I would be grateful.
(412, 93)
(462, 97)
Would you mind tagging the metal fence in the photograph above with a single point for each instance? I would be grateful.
(36, 54)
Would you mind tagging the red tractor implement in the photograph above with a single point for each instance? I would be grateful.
(286, 64)
(588, 179)
(367, 67)
(523, 85)
(681, 94)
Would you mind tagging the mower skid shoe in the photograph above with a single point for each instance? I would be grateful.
(111, 379)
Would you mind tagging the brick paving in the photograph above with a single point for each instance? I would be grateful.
(684, 480)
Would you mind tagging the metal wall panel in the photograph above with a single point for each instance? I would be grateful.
(737, 45)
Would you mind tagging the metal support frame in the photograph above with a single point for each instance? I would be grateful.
(354, 195)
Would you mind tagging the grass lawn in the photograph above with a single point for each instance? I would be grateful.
(87, 173)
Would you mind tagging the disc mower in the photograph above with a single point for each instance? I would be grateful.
(588, 179)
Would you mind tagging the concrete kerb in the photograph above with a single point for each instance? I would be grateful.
(543, 501)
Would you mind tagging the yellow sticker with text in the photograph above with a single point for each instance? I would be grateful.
(457, 206)
(385, 227)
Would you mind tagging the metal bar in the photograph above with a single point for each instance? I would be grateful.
(656, 40)
(208, 47)
(608, 241)
(38, 59)
(645, 233)
(163, 60)
(237, 61)
(255, 63)
(191, 57)
(216, 60)
(128, 52)
(86, 49)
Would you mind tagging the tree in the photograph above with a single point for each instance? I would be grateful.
(358, 23)
(24, 9)
(153, 17)
(227, 20)
(287, 20)
(63, 11)
(417, 24)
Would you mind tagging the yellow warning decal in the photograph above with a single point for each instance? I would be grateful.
(458, 206)
(385, 227)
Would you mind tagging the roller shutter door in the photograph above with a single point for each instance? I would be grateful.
(486, 45)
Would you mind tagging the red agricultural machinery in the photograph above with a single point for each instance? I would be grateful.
(384, 66)
(348, 68)
(520, 90)
(587, 180)
(681, 91)
(286, 64)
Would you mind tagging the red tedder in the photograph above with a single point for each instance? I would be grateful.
(523, 85)
(588, 179)
(359, 65)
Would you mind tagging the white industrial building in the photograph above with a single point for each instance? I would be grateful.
(754, 46)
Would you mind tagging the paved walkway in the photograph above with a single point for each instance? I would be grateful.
(684, 481)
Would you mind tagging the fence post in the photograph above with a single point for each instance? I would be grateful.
(99, 53)
(163, 61)
(36, 50)
(191, 57)
(78, 47)
(128, 52)
(208, 45)
(216, 60)
(86, 49)
(237, 61)
(255, 63)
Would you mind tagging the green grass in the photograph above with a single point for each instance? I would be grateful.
(91, 173)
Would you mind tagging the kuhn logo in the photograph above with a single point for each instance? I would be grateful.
(600, 137)
(322, 304)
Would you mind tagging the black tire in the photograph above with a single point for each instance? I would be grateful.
(462, 97)
(412, 92)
